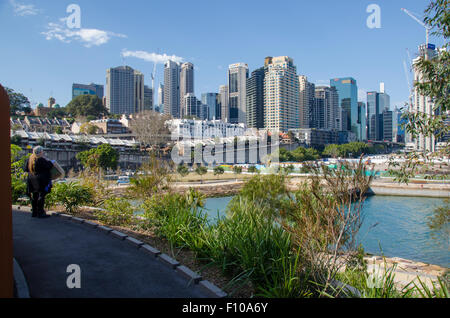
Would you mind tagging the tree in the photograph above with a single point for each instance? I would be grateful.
(237, 170)
(435, 85)
(103, 157)
(252, 169)
(58, 130)
(57, 113)
(86, 105)
(219, 170)
(18, 102)
(331, 150)
(182, 170)
(88, 128)
(150, 129)
(201, 170)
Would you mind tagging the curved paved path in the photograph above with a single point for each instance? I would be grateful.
(109, 267)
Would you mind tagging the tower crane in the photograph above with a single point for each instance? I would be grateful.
(427, 28)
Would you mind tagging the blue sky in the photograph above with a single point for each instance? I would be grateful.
(41, 57)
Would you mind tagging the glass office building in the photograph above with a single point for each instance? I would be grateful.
(348, 101)
(90, 89)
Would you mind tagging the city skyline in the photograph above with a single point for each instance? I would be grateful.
(371, 56)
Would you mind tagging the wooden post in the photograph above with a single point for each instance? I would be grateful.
(6, 243)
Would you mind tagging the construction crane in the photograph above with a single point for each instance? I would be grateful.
(153, 81)
(405, 67)
(427, 28)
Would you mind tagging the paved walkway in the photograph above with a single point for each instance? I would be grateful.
(109, 267)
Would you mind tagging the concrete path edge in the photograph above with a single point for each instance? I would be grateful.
(185, 272)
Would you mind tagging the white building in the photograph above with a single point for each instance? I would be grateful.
(281, 94)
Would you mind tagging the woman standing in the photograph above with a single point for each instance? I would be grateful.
(38, 181)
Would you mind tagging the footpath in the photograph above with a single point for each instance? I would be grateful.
(111, 265)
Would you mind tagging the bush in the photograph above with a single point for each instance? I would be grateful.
(182, 170)
(71, 195)
(219, 170)
(18, 176)
(117, 211)
(177, 217)
(252, 169)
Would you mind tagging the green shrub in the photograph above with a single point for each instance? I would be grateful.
(219, 170)
(71, 195)
(18, 176)
(117, 211)
(177, 217)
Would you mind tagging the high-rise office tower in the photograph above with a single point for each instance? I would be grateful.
(193, 107)
(374, 117)
(224, 103)
(186, 82)
(281, 94)
(210, 100)
(255, 99)
(90, 89)
(388, 125)
(306, 101)
(237, 79)
(148, 98)
(124, 90)
(385, 99)
(362, 123)
(139, 91)
(161, 94)
(421, 103)
(326, 111)
(172, 89)
(348, 100)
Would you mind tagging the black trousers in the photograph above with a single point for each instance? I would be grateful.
(37, 203)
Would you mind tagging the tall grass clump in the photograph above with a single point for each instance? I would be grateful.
(116, 211)
(177, 217)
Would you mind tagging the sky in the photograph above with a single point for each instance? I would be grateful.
(44, 51)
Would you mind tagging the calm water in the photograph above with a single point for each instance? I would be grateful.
(401, 228)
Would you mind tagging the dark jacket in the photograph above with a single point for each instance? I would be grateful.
(42, 177)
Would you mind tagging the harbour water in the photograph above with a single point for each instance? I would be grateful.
(393, 226)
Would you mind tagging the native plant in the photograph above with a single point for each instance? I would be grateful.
(116, 211)
(153, 177)
(71, 195)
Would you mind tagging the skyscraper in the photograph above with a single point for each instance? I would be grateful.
(186, 83)
(124, 90)
(90, 89)
(255, 99)
(210, 100)
(161, 94)
(281, 94)
(374, 117)
(326, 109)
(172, 89)
(237, 79)
(421, 103)
(348, 100)
(306, 101)
(224, 103)
(148, 98)
(193, 107)
(362, 120)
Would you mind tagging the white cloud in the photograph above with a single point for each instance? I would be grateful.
(89, 37)
(22, 10)
(152, 57)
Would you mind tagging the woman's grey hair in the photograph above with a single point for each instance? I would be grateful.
(38, 150)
